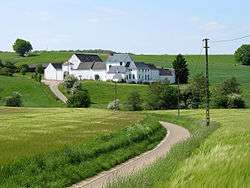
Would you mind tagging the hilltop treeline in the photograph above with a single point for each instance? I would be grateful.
(96, 51)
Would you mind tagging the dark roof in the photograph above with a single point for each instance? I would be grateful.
(57, 65)
(99, 66)
(165, 72)
(142, 65)
(33, 66)
(88, 58)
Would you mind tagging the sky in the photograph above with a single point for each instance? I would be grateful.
(136, 26)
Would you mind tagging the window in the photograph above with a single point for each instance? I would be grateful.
(133, 76)
(110, 66)
(145, 77)
(129, 76)
(139, 76)
(121, 63)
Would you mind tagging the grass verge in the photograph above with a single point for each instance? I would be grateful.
(162, 170)
(74, 163)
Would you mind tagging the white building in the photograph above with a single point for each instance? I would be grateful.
(122, 66)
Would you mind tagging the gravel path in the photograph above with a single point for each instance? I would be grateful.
(175, 134)
(53, 85)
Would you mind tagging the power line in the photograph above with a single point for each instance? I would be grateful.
(230, 40)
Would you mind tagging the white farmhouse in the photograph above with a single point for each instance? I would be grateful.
(121, 66)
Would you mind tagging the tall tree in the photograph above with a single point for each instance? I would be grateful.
(181, 69)
(242, 54)
(22, 47)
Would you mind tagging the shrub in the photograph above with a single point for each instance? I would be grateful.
(79, 99)
(162, 96)
(229, 86)
(235, 101)
(227, 95)
(114, 105)
(198, 90)
(24, 69)
(37, 77)
(6, 71)
(15, 100)
(76, 87)
(134, 102)
(39, 69)
(69, 81)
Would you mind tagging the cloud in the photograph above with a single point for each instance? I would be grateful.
(212, 26)
(93, 20)
(195, 19)
(110, 11)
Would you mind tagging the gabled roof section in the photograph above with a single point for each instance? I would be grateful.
(57, 65)
(115, 58)
(88, 58)
(85, 66)
(165, 72)
(117, 69)
(142, 65)
(99, 66)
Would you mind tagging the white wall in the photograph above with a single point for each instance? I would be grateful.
(75, 61)
(89, 74)
(50, 73)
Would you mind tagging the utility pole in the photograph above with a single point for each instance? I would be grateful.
(207, 83)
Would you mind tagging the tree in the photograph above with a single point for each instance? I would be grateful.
(134, 102)
(227, 94)
(15, 100)
(181, 69)
(242, 54)
(39, 69)
(114, 105)
(69, 82)
(22, 47)
(79, 99)
(229, 86)
(162, 96)
(198, 90)
(24, 69)
(77, 87)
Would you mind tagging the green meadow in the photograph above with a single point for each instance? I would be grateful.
(34, 94)
(217, 159)
(27, 131)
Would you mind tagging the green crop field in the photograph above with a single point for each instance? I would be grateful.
(27, 131)
(34, 94)
(222, 160)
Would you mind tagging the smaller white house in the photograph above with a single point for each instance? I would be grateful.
(122, 66)
(53, 72)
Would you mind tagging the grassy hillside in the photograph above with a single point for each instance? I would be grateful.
(222, 160)
(102, 93)
(221, 66)
(27, 131)
(34, 94)
(38, 57)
